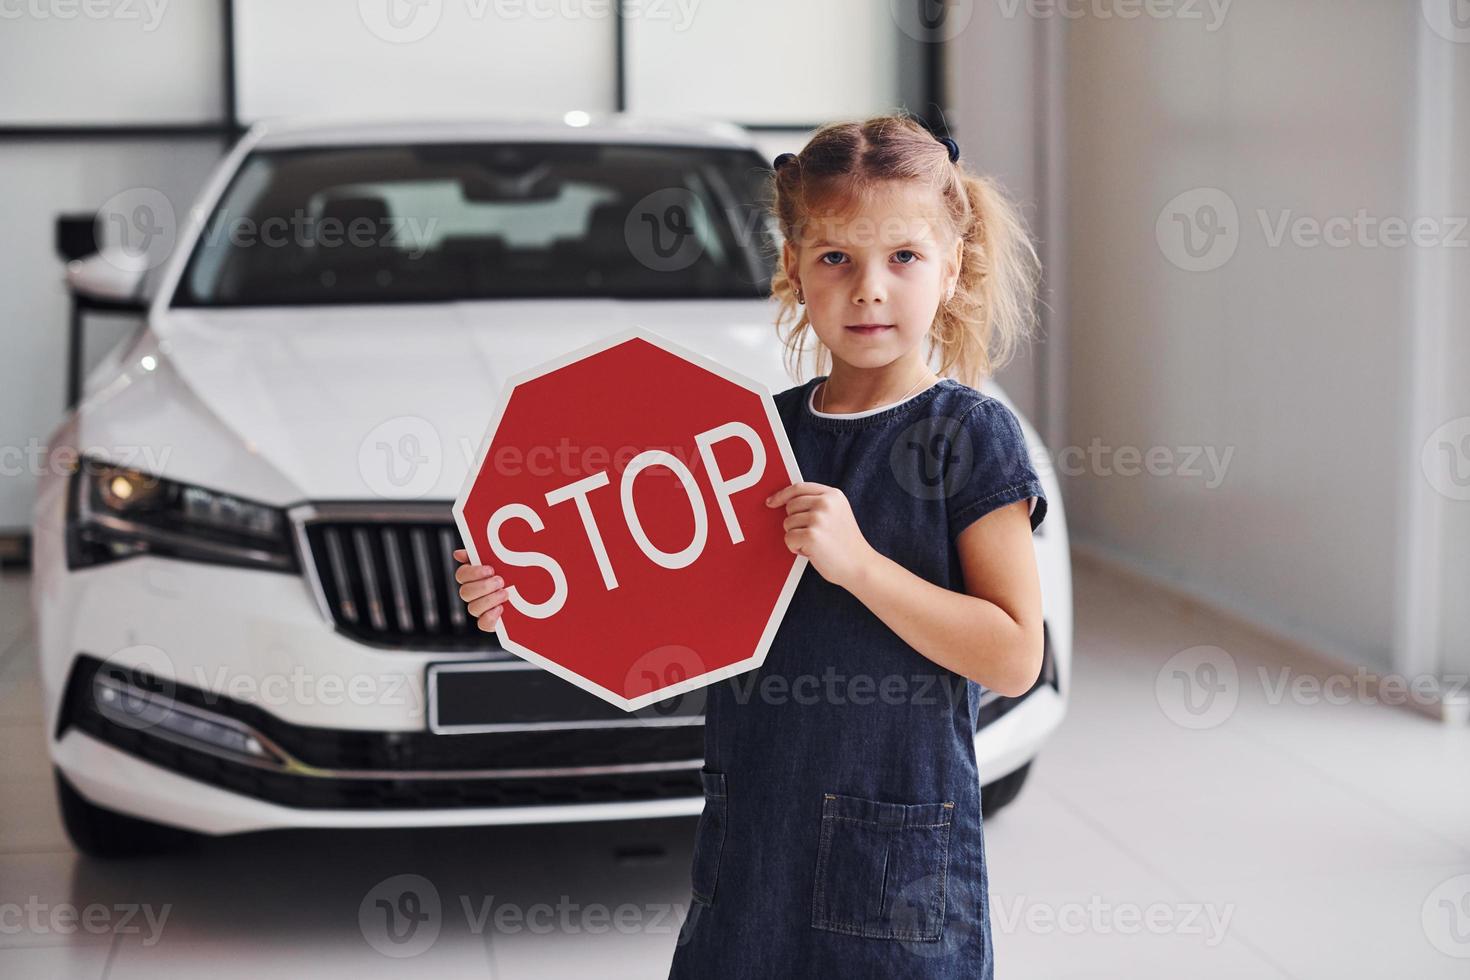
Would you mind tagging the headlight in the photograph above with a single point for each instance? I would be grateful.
(116, 512)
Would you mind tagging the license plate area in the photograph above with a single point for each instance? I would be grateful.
(468, 697)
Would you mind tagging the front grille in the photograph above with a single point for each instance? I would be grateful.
(388, 579)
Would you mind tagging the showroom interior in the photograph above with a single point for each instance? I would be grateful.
(1246, 752)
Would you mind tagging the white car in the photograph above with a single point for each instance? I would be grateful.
(244, 591)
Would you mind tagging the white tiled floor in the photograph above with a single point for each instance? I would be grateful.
(1292, 839)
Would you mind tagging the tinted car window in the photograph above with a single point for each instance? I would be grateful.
(421, 223)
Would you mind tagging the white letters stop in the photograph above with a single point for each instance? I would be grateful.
(577, 492)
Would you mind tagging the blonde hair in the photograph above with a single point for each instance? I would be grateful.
(992, 311)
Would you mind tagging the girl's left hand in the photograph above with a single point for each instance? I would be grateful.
(820, 525)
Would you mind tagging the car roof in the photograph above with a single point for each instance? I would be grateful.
(611, 127)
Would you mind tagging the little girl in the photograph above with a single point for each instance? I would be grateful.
(841, 830)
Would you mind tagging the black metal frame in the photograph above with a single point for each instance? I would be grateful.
(229, 127)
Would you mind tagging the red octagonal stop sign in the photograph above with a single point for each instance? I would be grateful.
(620, 492)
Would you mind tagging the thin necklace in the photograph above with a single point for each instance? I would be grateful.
(823, 399)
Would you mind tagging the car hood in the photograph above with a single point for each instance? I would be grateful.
(367, 402)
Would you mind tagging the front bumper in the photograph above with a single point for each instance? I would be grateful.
(336, 778)
(114, 779)
(204, 736)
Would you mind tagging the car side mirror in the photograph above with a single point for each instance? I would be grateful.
(107, 280)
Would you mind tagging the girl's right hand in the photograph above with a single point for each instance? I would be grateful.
(482, 589)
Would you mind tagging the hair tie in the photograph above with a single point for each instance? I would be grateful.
(952, 146)
(784, 159)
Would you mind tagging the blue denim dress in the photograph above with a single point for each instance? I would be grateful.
(841, 832)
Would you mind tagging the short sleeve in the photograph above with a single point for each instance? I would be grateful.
(989, 467)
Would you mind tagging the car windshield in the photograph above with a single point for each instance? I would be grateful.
(432, 222)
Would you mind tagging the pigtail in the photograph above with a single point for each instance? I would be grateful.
(993, 310)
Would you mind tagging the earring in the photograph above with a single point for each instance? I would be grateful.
(800, 298)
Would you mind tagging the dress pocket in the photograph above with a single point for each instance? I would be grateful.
(881, 868)
(709, 838)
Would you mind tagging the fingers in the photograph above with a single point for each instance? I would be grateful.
(482, 589)
(487, 602)
(798, 540)
(805, 502)
(465, 574)
(800, 520)
(796, 489)
(471, 591)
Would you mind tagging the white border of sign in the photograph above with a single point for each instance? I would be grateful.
(798, 565)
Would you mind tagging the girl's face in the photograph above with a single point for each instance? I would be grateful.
(887, 264)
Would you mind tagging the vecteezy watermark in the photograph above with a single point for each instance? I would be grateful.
(400, 21)
(1362, 230)
(303, 687)
(409, 234)
(1445, 917)
(1098, 459)
(402, 916)
(1450, 19)
(1198, 687)
(147, 13)
(137, 687)
(660, 232)
(568, 917)
(126, 671)
(835, 687)
(407, 21)
(35, 917)
(1362, 686)
(936, 21)
(1098, 916)
(663, 667)
(136, 228)
(1445, 459)
(571, 460)
(1200, 230)
(1211, 13)
(401, 457)
(932, 458)
(932, 21)
(918, 916)
(38, 459)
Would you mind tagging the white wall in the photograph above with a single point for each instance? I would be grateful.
(454, 58)
(999, 76)
(1435, 616)
(1291, 356)
(756, 61)
(145, 62)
